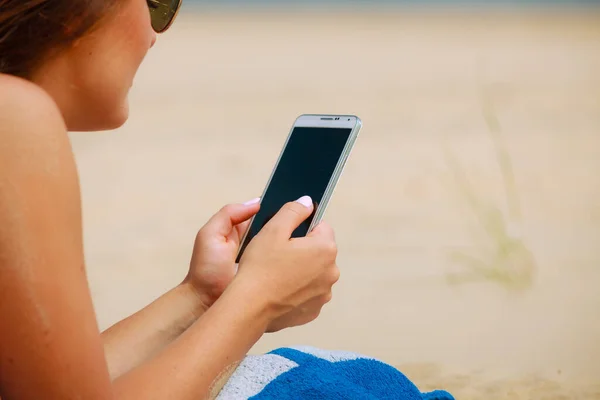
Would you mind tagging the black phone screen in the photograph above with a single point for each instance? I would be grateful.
(305, 168)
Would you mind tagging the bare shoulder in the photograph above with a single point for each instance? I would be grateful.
(32, 131)
(26, 107)
(38, 176)
(21, 99)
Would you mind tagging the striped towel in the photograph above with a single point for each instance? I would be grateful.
(309, 373)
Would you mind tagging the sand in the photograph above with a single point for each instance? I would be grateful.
(430, 177)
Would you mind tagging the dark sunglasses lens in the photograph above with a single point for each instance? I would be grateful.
(162, 13)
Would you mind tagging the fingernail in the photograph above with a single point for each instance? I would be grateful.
(252, 202)
(306, 201)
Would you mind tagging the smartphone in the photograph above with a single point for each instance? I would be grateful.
(311, 162)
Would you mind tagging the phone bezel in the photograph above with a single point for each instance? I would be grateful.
(319, 121)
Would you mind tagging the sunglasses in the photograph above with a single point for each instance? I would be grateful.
(163, 13)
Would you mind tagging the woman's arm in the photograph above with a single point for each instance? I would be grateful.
(212, 268)
(139, 337)
(190, 365)
(50, 345)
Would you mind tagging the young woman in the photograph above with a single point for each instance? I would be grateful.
(68, 65)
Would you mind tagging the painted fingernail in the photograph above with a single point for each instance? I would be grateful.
(306, 201)
(252, 202)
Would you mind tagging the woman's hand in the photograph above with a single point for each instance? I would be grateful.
(213, 260)
(292, 277)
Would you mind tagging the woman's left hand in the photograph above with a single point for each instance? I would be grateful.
(213, 260)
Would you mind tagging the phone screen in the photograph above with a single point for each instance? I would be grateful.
(305, 168)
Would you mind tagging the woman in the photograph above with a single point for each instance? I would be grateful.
(67, 65)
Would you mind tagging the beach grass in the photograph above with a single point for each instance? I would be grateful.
(500, 254)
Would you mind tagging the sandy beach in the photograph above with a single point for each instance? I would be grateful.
(468, 217)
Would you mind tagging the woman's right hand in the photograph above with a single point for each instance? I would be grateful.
(293, 277)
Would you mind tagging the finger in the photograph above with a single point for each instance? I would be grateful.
(334, 275)
(240, 229)
(307, 317)
(305, 313)
(312, 309)
(239, 232)
(323, 231)
(222, 223)
(316, 303)
(301, 316)
(290, 217)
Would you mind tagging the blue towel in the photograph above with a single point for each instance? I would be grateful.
(309, 373)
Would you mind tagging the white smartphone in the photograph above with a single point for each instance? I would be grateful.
(310, 163)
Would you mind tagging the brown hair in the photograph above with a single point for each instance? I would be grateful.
(33, 30)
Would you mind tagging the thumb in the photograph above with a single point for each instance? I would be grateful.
(222, 223)
(290, 217)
